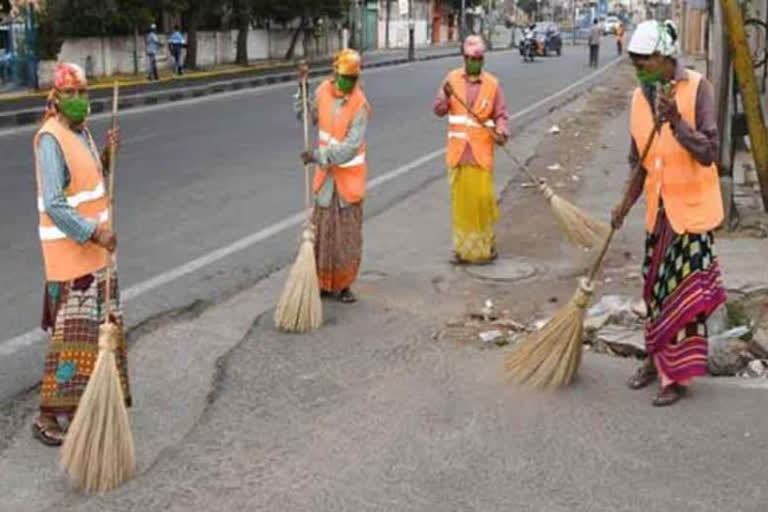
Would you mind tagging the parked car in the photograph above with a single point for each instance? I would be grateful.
(611, 24)
(548, 35)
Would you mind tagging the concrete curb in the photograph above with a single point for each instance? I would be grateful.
(99, 105)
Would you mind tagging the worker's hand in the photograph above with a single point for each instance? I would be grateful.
(105, 238)
(308, 157)
(617, 216)
(114, 138)
(447, 89)
(303, 71)
(668, 110)
(500, 138)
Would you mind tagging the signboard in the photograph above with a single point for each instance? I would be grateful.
(403, 7)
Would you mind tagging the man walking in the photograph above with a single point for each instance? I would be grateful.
(594, 44)
(176, 43)
(152, 45)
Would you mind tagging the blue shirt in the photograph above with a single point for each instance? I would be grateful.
(152, 43)
(176, 38)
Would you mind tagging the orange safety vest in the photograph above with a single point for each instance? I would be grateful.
(333, 128)
(463, 128)
(64, 258)
(690, 191)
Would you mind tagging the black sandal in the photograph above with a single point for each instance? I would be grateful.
(347, 297)
(48, 435)
(642, 378)
(669, 395)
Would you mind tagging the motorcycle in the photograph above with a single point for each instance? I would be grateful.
(528, 46)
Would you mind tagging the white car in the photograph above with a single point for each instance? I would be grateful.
(610, 24)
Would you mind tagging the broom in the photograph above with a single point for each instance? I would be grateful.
(98, 453)
(550, 357)
(299, 308)
(580, 228)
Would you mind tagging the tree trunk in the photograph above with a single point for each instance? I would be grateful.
(243, 27)
(190, 62)
(295, 38)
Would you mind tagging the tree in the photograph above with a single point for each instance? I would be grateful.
(243, 11)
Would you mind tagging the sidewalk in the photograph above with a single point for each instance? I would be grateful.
(19, 108)
(383, 409)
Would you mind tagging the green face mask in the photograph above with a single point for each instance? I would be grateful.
(75, 109)
(648, 77)
(474, 67)
(345, 83)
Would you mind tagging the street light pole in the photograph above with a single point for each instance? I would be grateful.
(462, 21)
(411, 34)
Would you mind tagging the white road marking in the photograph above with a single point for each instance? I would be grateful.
(36, 336)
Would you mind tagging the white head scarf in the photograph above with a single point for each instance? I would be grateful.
(652, 36)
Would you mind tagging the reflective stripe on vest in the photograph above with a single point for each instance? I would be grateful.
(463, 128)
(64, 258)
(690, 191)
(333, 126)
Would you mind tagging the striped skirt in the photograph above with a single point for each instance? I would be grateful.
(683, 287)
(338, 244)
(72, 313)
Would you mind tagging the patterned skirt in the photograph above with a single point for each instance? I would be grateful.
(683, 286)
(72, 313)
(338, 244)
(475, 212)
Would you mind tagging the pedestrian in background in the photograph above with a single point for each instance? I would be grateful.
(594, 44)
(153, 43)
(683, 283)
(341, 111)
(176, 44)
(620, 39)
(76, 241)
(470, 152)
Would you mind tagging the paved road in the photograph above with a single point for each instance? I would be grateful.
(194, 177)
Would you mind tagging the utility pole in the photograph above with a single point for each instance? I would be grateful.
(411, 34)
(742, 66)
(386, 27)
(463, 21)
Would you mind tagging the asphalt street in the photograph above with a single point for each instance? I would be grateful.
(195, 177)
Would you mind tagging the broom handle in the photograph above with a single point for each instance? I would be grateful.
(111, 200)
(307, 182)
(599, 263)
(533, 179)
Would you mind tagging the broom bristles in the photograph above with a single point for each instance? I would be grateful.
(550, 357)
(98, 452)
(580, 228)
(300, 308)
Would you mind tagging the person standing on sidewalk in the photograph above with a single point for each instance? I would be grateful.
(594, 44)
(619, 39)
(153, 44)
(470, 152)
(73, 206)
(176, 44)
(683, 283)
(341, 111)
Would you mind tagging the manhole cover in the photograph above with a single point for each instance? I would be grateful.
(504, 269)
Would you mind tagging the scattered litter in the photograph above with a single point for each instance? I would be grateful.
(491, 336)
(554, 130)
(756, 369)
(507, 323)
(554, 167)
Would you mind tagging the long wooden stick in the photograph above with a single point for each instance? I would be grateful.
(111, 200)
(599, 262)
(307, 167)
(533, 179)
